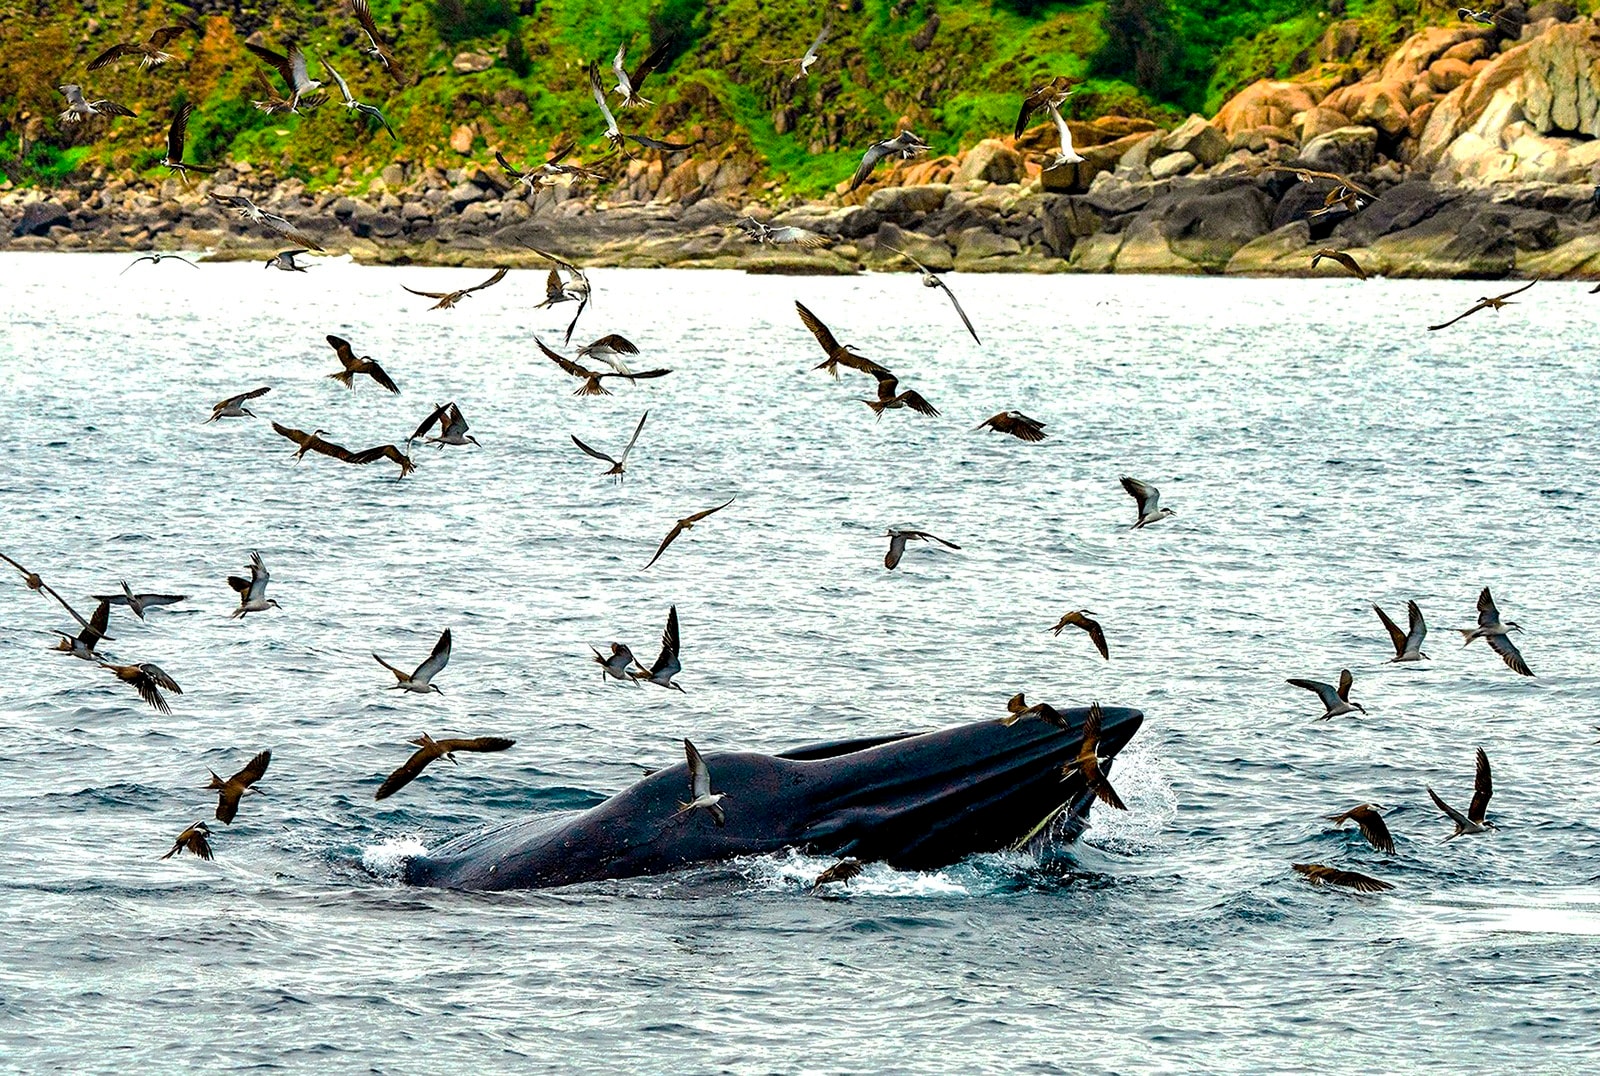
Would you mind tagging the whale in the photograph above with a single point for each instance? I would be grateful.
(914, 801)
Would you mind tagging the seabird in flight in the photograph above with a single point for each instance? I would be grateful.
(1335, 700)
(685, 524)
(1148, 500)
(1016, 424)
(1081, 618)
(448, 299)
(1487, 303)
(904, 146)
(231, 791)
(1475, 821)
(147, 680)
(420, 681)
(619, 464)
(898, 540)
(930, 279)
(667, 665)
(429, 749)
(1497, 634)
(1407, 644)
(700, 794)
(354, 366)
(80, 109)
(234, 406)
(253, 591)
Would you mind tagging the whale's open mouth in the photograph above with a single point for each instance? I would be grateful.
(915, 801)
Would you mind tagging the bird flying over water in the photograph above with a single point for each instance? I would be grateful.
(147, 680)
(700, 794)
(253, 591)
(930, 279)
(156, 257)
(684, 524)
(547, 171)
(354, 366)
(1306, 175)
(628, 84)
(138, 603)
(1088, 762)
(80, 109)
(192, 840)
(1351, 266)
(1372, 825)
(780, 236)
(1475, 821)
(591, 378)
(1486, 303)
(292, 68)
(838, 354)
(904, 147)
(619, 464)
(1017, 708)
(1052, 92)
(616, 665)
(898, 540)
(448, 299)
(1321, 875)
(371, 112)
(231, 791)
(452, 427)
(429, 749)
(608, 349)
(282, 226)
(82, 645)
(420, 681)
(149, 51)
(1407, 644)
(1497, 634)
(1335, 700)
(1082, 618)
(1016, 424)
(566, 283)
(891, 399)
(840, 873)
(176, 135)
(667, 665)
(234, 406)
(285, 260)
(1148, 500)
(35, 583)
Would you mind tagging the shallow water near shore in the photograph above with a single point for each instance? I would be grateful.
(1322, 449)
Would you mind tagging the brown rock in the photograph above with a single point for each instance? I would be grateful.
(1468, 51)
(470, 63)
(1319, 121)
(1422, 48)
(1446, 74)
(461, 139)
(991, 161)
(1383, 105)
(1266, 103)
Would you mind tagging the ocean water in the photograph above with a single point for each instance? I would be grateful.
(1322, 449)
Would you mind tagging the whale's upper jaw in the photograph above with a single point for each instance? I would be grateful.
(925, 802)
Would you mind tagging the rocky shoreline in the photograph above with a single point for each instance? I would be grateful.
(1479, 149)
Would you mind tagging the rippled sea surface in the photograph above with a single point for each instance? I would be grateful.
(1323, 451)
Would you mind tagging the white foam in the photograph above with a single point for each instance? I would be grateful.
(385, 858)
(1144, 782)
(797, 870)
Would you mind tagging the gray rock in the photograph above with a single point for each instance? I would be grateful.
(1345, 149)
(39, 217)
(464, 194)
(1208, 229)
(1398, 208)
(1199, 139)
(1173, 164)
(978, 243)
(901, 203)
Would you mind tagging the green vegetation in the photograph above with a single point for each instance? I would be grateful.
(952, 69)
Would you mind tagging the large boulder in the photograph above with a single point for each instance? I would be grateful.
(1345, 150)
(991, 161)
(1318, 121)
(1381, 103)
(1563, 81)
(1208, 229)
(1200, 139)
(1267, 103)
(39, 217)
(1398, 208)
(902, 203)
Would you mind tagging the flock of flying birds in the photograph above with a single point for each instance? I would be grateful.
(567, 282)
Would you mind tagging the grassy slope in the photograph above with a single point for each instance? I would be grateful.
(962, 87)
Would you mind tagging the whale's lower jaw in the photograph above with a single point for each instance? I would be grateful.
(917, 802)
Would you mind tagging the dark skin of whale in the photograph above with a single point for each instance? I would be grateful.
(916, 802)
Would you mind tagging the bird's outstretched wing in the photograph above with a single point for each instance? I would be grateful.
(1482, 790)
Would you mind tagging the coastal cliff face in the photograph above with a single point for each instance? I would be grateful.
(1480, 143)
